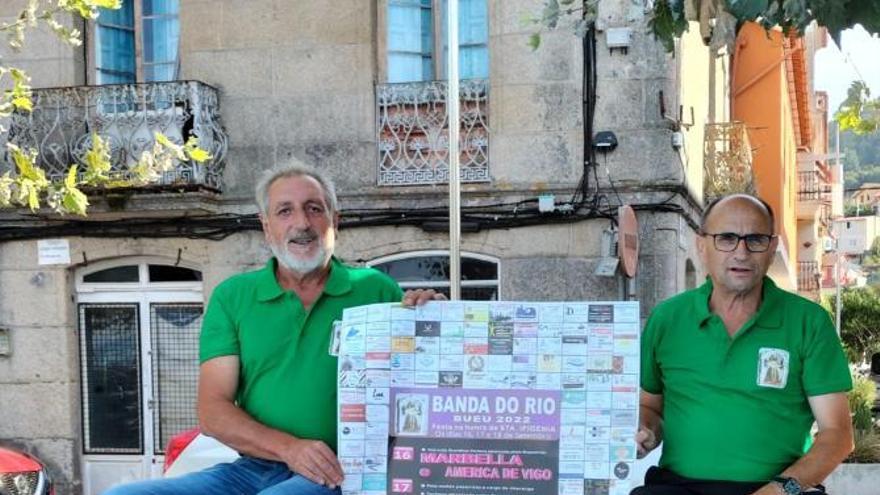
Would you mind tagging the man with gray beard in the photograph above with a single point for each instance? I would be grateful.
(267, 385)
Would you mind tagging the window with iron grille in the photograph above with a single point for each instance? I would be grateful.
(430, 270)
(111, 383)
(412, 122)
(174, 330)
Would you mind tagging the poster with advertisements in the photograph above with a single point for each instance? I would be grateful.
(480, 398)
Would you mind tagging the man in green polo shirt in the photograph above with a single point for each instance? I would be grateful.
(267, 384)
(735, 372)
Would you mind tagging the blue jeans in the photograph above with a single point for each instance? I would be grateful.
(245, 476)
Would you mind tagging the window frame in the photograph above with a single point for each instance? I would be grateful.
(145, 295)
(440, 284)
(143, 263)
(92, 38)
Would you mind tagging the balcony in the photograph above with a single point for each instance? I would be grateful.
(127, 116)
(412, 132)
(808, 276)
(814, 196)
(727, 160)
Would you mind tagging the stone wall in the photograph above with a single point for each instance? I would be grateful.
(296, 80)
(40, 381)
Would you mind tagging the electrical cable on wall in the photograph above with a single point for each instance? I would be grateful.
(220, 226)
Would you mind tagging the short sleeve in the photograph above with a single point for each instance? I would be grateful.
(651, 377)
(219, 336)
(825, 368)
(392, 290)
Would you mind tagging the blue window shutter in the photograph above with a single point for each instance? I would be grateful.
(410, 40)
(161, 39)
(114, 45)
(473, 40)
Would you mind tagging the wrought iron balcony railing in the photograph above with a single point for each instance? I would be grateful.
(808, 276)
(727, 160)
(812, 186)
(412, 132)
(63, 120)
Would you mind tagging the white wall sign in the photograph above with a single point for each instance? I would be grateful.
(53, 252)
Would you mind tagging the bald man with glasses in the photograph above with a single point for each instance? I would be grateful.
(735, 372)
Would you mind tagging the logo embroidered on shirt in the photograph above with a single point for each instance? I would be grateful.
(773, 367)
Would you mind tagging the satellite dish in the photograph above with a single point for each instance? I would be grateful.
(628, 240)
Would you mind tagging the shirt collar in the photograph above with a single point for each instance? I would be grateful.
(268, 288)
(769, 314)
(339, 281)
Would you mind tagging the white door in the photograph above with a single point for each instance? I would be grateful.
(138, 327)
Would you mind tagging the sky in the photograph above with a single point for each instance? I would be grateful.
(836, 68)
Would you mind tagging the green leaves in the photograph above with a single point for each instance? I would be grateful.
(858, 113)
(17, 98)
(66, 197)
(194, 153)
(31, 180)
(667, 19)
(71, 36)
(577, 15)
(88, 9)
(20, 94)
(145, 170)
(860, 313)
(72, 199)
(534, 41)
(189, 151)
(837, 15)
(31, 15)
(668, 22)
(30, 185)
(106, 4)
(97, 161)
(164, 157)
(175, 149)
(550, 14)
(27, 18)
(747, 9)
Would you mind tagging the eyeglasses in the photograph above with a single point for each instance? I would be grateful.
(728, 241)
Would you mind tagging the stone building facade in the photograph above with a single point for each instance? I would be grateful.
(310, 80)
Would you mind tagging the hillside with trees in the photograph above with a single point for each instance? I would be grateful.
(861, 157)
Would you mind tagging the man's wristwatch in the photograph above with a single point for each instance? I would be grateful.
(790, 486)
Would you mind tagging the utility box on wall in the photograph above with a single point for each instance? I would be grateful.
(5, 343)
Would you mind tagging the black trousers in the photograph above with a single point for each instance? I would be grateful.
(664, 482)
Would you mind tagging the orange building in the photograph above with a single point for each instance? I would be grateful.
(771, 92)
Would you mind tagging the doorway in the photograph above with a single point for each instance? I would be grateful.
(139, 323)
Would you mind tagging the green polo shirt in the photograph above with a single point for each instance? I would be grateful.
(287, 379)
(735, 408)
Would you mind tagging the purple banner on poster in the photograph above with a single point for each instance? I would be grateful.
(475, 414)
(472, 467)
